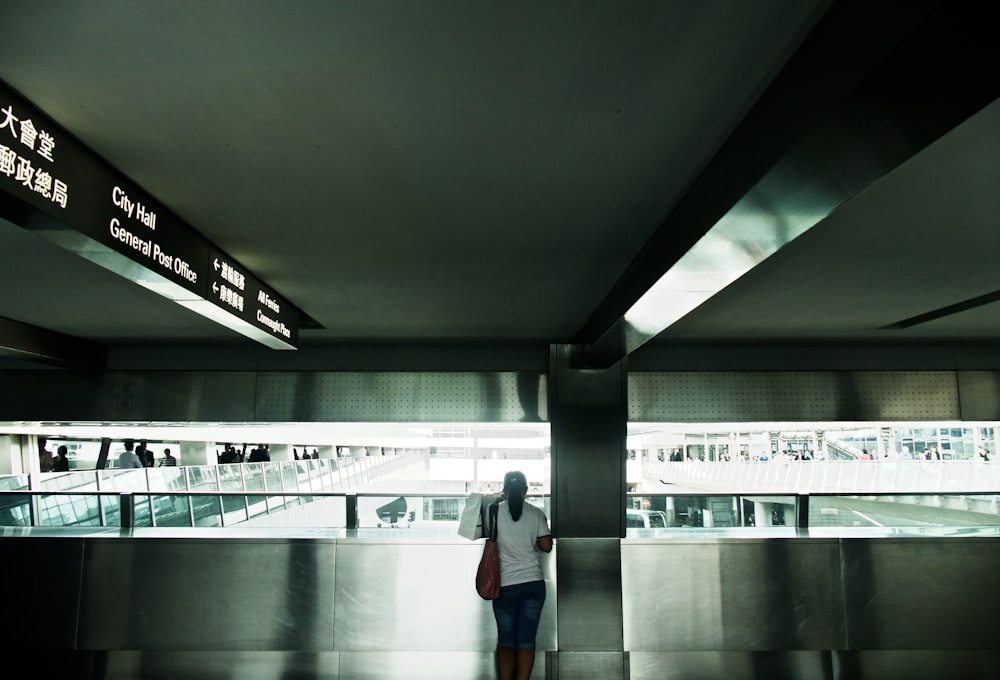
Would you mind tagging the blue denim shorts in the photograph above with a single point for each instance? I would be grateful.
(518, 611)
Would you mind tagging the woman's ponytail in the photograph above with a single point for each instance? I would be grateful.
(515, 487)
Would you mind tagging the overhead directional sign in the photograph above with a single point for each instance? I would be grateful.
(232, 286)
(50, 170)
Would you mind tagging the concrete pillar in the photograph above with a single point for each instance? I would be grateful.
(671, 511)
(589, 416)
(29, 458)
(280, 452)
(589, 423)
(762, 514)
(822, 447)
(788, 512)
(196, 453)
(890, 442)
(10, 455)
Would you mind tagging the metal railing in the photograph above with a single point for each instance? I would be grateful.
(425, 512)
(86, 497)
(830, 476)
(647, 515)
(909, 511)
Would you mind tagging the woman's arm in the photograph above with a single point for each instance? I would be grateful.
(544, 543)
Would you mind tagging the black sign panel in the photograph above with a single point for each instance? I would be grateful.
(234, 288)
(46, 167)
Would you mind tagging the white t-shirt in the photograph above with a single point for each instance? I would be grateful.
(520, 558)
(128, 459)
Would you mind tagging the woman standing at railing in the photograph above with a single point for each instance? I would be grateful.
(522, 535)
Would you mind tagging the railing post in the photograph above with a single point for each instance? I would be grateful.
(126, 509)
(352, 510)
(263, 483)
(190, 499)
(246, 499)
(802, 511)
(218, 487)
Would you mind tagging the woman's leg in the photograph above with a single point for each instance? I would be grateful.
(505, 613)
(529, 613)
(507, 658)
(525, 662)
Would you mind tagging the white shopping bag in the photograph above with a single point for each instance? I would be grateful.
(470, 526)
(473, 519)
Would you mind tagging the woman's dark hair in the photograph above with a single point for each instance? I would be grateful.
(515, 486)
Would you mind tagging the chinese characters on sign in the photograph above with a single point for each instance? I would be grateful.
(231, 285)
(230, 296)
(20, 168)
(231, 274)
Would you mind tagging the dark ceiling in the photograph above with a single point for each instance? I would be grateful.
(458, 173)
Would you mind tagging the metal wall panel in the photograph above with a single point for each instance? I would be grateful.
(979, 393)
(41, 579)
(127, 397)
(401, 397)
(980, 664)
(175, 594)
(590, 595)
(677, 396)
(781, 595)
(405, 597)
(215, 665)
(792, 396)
(740, 594)
(275, 397)
(402, 357)
(579, 665)
(709, 607)
(720, 665)
(936, 664)
(425, 665)
(166, 665)
(816, 356)
(929, 594)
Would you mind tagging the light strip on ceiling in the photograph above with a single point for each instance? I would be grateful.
(111, 260)
(746, 236)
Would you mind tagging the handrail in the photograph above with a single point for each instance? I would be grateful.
(806, 510)
(797, 505)
(127, 501)
(792, 494)
(892, 476)
(439, 494)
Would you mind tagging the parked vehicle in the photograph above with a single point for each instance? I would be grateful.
(645, 519)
